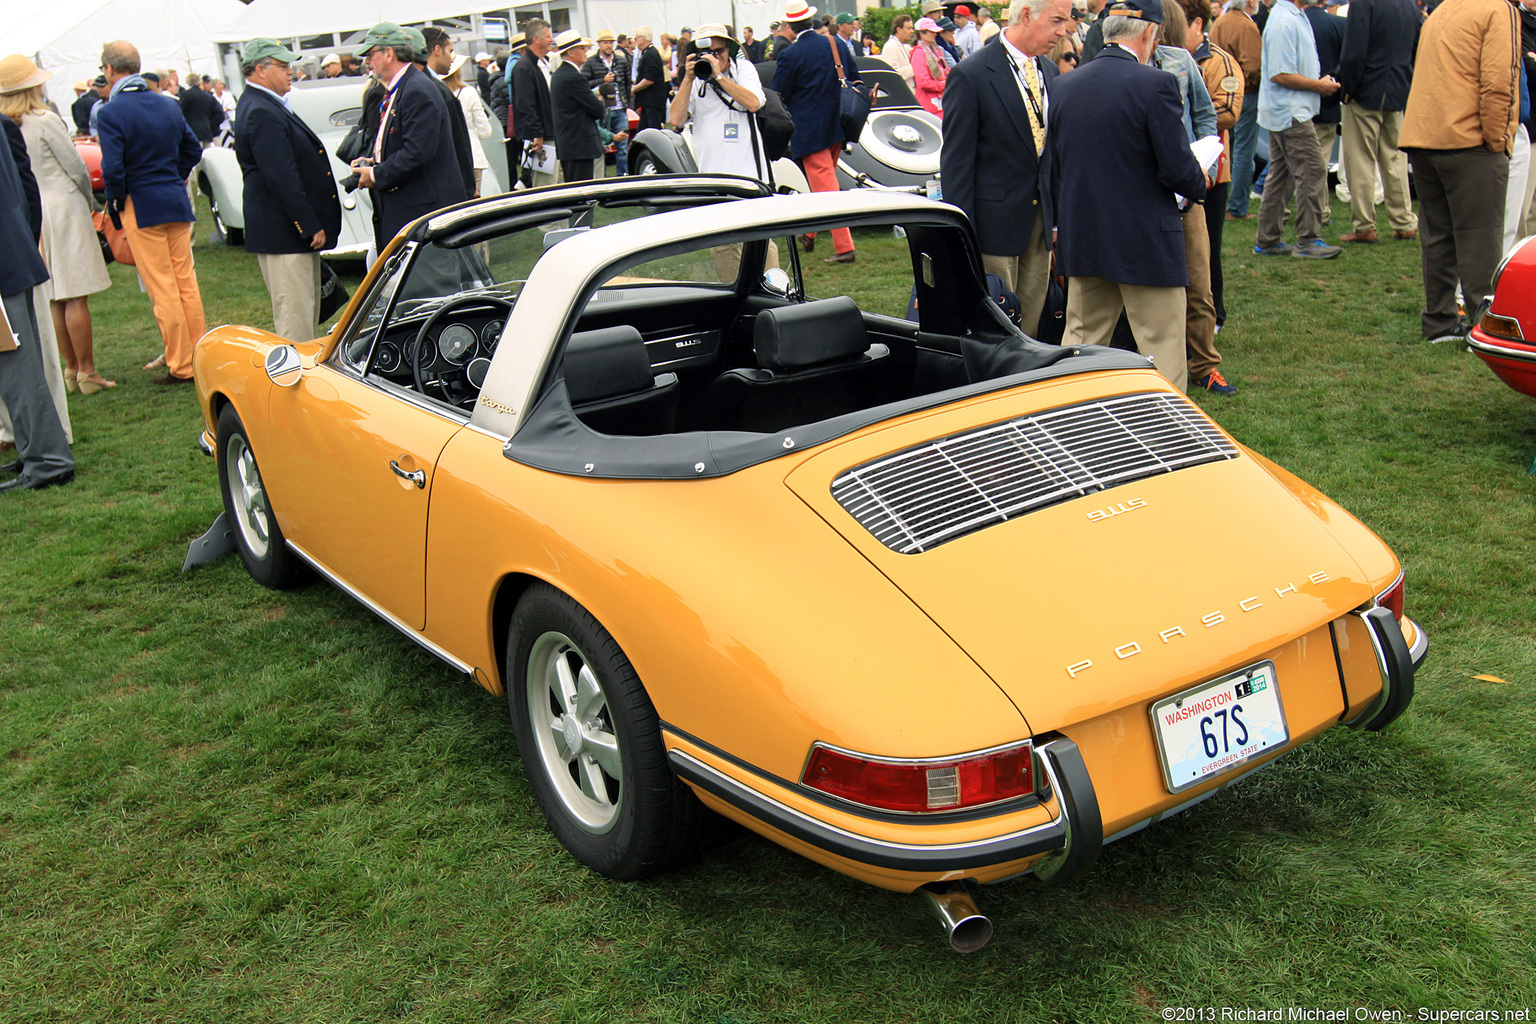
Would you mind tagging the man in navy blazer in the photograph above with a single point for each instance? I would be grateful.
(147, 152)
(43, 456)
(1116, 154)
(414, 169)
(990, 166)
(806, 80)
(292, 212)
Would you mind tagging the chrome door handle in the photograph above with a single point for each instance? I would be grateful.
(419, 478)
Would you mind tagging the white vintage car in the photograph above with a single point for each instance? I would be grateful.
(330, 107)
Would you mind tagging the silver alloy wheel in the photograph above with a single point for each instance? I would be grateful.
(572, 727)
(251, 510)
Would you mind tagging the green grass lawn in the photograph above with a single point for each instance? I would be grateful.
(221, 803)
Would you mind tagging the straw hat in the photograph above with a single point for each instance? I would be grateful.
(569, 38)
(459, 60)
(18, 74)
(798, 10)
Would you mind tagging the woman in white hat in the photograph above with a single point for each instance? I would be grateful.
(70, 248)
(475, 115)
(720, 93)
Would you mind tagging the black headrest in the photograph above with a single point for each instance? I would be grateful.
(605, 364)
(794, 337)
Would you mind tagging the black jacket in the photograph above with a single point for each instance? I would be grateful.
(594, 71)
(21, 267)
(1328, 35)
(531, 118)
(202, 112)
(1376, 60)
(288, 188)
(80, 111)
(1116, 128)
(419, 170)
(483, 82)
(500, 101)
(988, 164)
(576, 109)
(458, 128)
(651, 102)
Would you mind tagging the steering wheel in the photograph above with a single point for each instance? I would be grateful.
(444, 384)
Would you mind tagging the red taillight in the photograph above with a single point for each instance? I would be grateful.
(1392, 597)
(915, 786)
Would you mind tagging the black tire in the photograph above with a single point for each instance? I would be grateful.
(643, 163)
(630, 817)
(247, 511)
(231, 236)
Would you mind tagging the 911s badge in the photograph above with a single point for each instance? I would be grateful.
(1209, 620)
(1098, 515)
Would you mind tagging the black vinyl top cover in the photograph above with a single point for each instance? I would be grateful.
(809, 334)
(606, 363)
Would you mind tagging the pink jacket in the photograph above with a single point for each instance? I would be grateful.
(929, 89)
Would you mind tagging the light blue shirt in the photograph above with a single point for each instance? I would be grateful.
(1199, 111)
(1289, 49)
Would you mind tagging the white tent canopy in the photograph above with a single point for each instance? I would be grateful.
(69, 35)
(286, 19)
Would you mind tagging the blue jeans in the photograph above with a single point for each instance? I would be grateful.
(618, 121)
(1244, 136)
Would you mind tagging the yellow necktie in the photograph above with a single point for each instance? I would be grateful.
(1036, 124)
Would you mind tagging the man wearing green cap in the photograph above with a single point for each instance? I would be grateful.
(292, 212)
(412, 169)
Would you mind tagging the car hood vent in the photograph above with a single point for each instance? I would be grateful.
(943, 489)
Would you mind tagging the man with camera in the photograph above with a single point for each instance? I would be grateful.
(720, 93)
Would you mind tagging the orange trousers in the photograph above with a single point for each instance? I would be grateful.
(821, 174)
(163, 257)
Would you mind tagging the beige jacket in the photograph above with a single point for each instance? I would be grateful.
(1466, 78)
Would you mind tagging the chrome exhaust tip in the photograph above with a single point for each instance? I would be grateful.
(964, 926)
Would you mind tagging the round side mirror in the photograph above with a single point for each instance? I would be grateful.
(284, 366)
(776, 282)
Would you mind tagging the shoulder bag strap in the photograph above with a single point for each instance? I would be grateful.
(837, 59)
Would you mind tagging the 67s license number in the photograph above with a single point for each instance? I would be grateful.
(1216, 726)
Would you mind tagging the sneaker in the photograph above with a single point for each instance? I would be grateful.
(1214, 382)
(1278, 249)
(1459, 332)
(1317, 249)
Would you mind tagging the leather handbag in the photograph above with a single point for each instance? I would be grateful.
(853, 100)
(114, 239)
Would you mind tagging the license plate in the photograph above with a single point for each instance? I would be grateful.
(1211, 729)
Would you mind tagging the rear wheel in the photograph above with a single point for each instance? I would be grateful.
(591, 743)
(248, 512)
(643, 163)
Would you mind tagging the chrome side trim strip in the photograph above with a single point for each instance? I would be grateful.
(1522, 355)
(358, 596)
(865, 849)
(203, 444)
(1420, 644)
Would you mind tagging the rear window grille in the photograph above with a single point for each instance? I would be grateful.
(943, 489)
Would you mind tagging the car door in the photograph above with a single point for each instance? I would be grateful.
(358, 474)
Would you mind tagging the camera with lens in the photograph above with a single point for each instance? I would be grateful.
(702, 68)
(350, 182)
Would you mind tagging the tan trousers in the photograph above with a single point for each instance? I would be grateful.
(1370, 148)
(1156, 316)
(1027, 275)
(163, 257)
(1199, 310)
(293, 281)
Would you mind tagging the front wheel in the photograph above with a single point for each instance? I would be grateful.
(591, 743)
(248, 511)
(643, 163)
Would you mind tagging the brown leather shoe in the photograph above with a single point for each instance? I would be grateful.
(1238, 216)
(842, 257)
(1368, 235)
(807, 243)
(1405, 236)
